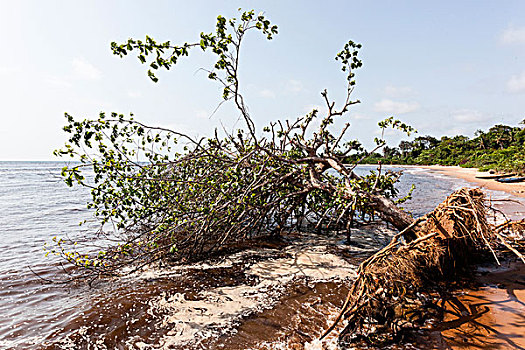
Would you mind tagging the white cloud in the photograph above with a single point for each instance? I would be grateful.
(294, 86)
(513, 36)
(309, 108)
(468, 116)
(398, 91)
(516, 83)
(84, 70)
(457, 130)
(57, 82)
(202, 114)
(360, 117)
(134, 94)
(389, 106)
(7, 70)
(267, 93)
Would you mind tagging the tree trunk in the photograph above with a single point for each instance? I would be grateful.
(392, 214)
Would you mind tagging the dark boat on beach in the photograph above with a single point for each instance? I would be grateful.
(493, 176)
(511, 179)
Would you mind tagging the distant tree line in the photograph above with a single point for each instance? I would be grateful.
(501, 148)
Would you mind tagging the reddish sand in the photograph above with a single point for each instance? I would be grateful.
(493, 315)
(469, 174)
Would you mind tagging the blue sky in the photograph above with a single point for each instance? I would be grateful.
(445, 67)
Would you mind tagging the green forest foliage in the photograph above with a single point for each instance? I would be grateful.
(501, 148)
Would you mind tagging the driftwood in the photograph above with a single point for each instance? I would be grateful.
(436, 247)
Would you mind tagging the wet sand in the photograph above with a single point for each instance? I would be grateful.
(276, 295)
(490, 315)
(513, 208)
(270, 297)
(469, 174)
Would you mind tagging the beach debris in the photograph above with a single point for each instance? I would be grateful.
(392, 285)
(224, 190)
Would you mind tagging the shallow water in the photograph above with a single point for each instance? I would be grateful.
(490, 314)
(35, 205)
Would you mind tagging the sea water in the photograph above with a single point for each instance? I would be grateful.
(35, 206)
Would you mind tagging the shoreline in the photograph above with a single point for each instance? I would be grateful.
(469, 174)
(275, 295)
(491, 312)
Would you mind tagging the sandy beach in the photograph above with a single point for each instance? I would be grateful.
(469, 174)
(491, 314)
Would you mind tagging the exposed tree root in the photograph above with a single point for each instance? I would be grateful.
(388, 293)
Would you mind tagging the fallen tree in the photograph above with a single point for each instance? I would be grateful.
(169, 202)
(393, 286)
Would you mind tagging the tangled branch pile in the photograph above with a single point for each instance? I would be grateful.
(171, 202)
(168, 205)
(391, 286)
